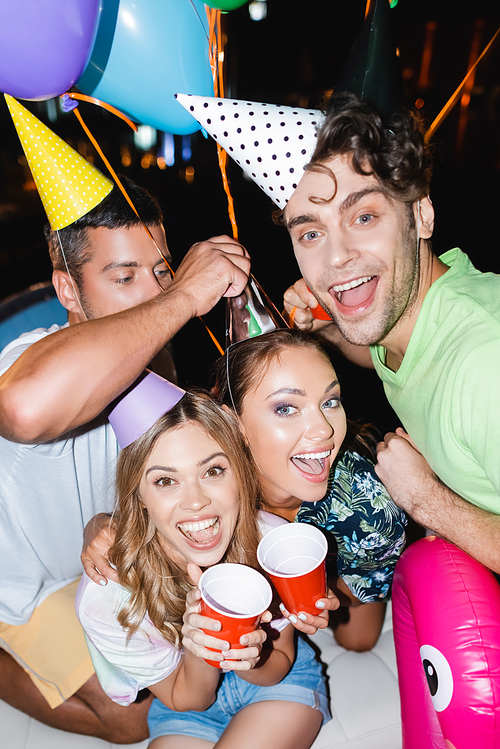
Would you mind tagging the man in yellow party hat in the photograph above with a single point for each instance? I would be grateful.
(57, 449)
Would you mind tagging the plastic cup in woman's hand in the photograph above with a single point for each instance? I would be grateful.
(293, 556)
(236, 596)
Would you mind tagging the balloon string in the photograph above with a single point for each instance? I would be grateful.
(120, 186)
(216, 50)
(104, 105)
(454, 97)
(127, 198)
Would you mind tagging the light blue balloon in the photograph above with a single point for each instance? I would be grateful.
(145, 52)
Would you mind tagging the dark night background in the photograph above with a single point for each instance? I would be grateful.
(292, 57)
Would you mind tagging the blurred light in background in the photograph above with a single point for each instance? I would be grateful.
(145, 137)
(187, 152)
(257, 10)
(166, 152)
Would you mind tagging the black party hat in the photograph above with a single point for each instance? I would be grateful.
(373, 70)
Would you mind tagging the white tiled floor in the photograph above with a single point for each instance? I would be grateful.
(364, 700)
(18, 731)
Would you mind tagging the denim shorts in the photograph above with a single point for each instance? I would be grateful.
(304, 684)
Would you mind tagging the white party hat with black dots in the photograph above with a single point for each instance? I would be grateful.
(68, 184)
(272, 144)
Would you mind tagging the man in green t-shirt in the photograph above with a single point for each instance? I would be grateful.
(361, 221)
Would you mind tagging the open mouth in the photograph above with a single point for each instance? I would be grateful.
(312, 463)
(355, 293)
(201, 532)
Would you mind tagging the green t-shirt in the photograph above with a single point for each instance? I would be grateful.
(447, 389)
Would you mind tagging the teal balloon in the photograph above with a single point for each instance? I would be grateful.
(225, 4)
(145, 52)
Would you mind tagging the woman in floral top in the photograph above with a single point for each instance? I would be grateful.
(314, 467)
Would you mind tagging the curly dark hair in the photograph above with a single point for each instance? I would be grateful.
(112, 213)
(395, 154)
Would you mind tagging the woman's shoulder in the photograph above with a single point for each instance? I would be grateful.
(123, 664)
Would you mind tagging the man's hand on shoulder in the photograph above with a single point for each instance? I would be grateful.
(218, 267)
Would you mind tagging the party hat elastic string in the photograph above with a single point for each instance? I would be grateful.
(76, 295)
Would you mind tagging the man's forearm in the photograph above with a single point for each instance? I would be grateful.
(68, 378)
(415, 488)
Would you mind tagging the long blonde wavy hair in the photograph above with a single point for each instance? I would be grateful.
(157, 585)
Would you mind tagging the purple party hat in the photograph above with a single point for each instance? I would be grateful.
(272, 144)
(142, 406)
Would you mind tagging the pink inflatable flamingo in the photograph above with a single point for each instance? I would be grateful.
(446, 611)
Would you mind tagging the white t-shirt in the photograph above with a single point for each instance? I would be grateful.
(48, 493)
(124, 666)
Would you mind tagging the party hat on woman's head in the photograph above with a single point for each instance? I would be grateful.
(68, 185)
(251, 314)
(141, 406)
(272, 144)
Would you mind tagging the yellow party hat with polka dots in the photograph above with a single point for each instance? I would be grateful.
(68, 184)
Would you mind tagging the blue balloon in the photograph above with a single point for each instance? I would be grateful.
(144, 53)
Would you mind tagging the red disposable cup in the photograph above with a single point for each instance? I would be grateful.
(293, 556)
(237, 596)
(318, 312)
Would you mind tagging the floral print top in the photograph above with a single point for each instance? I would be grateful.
(367, 525)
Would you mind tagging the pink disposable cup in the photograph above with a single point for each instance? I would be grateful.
(293, 556)
(235, 595)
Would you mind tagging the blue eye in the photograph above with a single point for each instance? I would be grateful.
(334, 402)
(163, 273)
(311, 235)
(364, 219)
(285, 409)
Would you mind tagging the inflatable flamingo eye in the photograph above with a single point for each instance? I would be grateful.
(439, 676)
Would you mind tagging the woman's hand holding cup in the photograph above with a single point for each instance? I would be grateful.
(230, 602)
(310, 623)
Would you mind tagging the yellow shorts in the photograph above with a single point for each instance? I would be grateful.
(51, 647)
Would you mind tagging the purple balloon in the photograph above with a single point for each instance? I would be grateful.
(45, 46)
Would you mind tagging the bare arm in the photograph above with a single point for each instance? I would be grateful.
(299, 297)
(415, 488)
(69, 377)
(192, 686)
